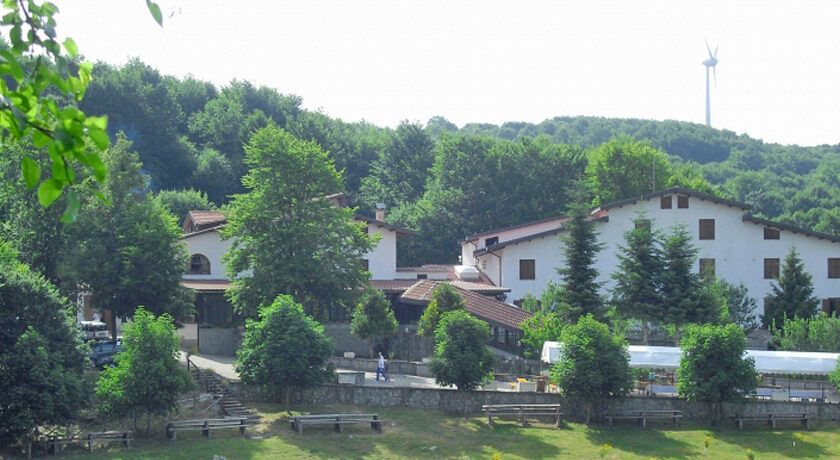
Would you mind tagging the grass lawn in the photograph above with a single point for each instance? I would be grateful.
(419, 434)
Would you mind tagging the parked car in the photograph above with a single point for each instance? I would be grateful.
(94, 330)
(103, 353)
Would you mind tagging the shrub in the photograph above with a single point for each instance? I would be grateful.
(461, 356)
(445, 298)
(373, 317)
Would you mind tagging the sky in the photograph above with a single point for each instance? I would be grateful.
(494, 61)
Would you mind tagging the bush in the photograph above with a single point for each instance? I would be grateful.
(373, 317)
(284, 349)
(820, 333)
(461, 356)
(538, 329)
(147, 377)
(713, 368)
(444, 299)
(594, 364)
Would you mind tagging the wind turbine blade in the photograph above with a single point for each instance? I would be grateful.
(708, 47)
(716, 48)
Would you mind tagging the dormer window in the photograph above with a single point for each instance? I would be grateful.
(199, 265)
(491, 241)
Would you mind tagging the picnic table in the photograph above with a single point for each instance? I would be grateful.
(643, 415)
(522, 411)
(772, 418)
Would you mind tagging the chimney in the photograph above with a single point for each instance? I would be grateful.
(380, 211)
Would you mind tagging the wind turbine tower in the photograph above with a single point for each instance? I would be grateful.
(710, 63)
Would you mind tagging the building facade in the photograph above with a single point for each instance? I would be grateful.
(732, 244)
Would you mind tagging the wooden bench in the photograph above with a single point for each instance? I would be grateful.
(205, 426)
(643, 415)
(106, 437)
(772, 418)
(522, 412)
(337, 420)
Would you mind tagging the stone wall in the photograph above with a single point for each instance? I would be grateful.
(220, 341)
(405, 346)
(453, 401)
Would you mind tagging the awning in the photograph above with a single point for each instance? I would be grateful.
(206, 285)
(766, 362)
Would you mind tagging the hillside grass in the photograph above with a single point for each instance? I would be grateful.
(426, 434)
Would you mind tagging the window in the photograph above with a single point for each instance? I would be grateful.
(707, 268)
(665, 202)
(422, 276)
(199, 265)
(491, 241)
(771, 269)
(771, 233)
(527, 269)
(366, 264)
(707, 229)
(831, 306)
(834, 267)
(682, 202)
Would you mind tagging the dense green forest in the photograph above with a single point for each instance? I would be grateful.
(445, 182)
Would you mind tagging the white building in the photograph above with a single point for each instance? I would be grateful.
(733, 244)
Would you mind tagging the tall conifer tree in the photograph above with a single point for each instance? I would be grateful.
(793, 294)
(579, 275)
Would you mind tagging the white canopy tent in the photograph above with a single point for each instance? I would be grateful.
(766, 362)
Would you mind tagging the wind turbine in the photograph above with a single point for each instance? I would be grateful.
(710, 63)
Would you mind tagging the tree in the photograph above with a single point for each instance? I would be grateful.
(638, 280)
(624, 168)
(792, 296)
(445, 298)
(373, 317)
(739, 305)
(820, 333)
(685, 296)
(834, 376)
(147, 378)
(594, 365)
(579, 276)
(286, 217)
(284, 349)
(180, 202)
(129, 253)
(713, 368)
(42, 359)
(540, 328)
(461, 356)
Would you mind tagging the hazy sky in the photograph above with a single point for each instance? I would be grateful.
(496, 61)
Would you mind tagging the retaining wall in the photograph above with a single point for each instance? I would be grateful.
(470, 402)
(405, 345)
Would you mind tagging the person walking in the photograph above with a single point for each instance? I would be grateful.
(380, 367)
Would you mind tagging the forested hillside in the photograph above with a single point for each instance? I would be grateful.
(445, 182)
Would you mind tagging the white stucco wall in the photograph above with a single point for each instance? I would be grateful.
(382, 259)
(211, 245)
(739, 250)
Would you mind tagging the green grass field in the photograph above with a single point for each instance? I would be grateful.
(419, 434)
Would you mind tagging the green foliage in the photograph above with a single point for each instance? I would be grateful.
(445, 298)
(834, 376)
(34, 69)
(594, 365)
(713, 368)
(373, 317)
(130, 253)
(180, 202)
(740, 307)
(579, 276)
(284, 349)
(538, 329)
(792, 296)
(530, 303)
(41, 356)
(147, 378)
(624, 167)
(461, 356)
(820, 333)
(686, 298)
(285, 217)
(639, 277)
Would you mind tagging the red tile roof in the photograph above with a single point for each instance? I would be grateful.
(481, 306)
(392, 286)
(200, 220)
